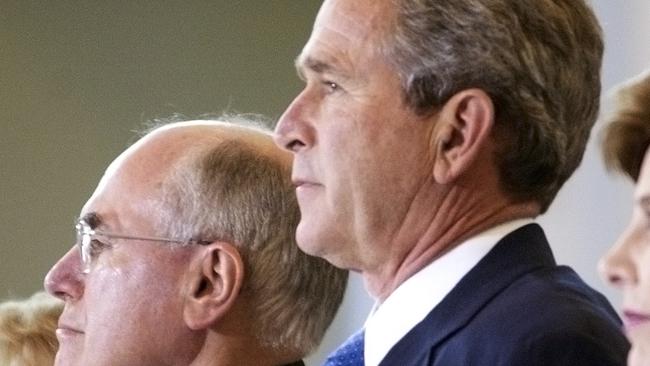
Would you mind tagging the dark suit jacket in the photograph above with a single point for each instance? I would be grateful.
(516, 307)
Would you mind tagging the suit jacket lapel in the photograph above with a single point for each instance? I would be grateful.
(520, 252)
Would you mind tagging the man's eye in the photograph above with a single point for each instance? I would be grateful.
(96, 247)
(331, 86)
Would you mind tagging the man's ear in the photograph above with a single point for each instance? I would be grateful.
(214, 284)
(464, 126)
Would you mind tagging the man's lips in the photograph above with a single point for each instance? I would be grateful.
(634, 319)
(303, 183)
(65, 331)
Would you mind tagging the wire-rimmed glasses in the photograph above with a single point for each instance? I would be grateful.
(91, 242)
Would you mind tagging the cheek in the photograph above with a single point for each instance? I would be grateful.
(136, 292)
(643, 268)
(129, 309)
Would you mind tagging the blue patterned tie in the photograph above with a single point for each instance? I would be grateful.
(349, 353)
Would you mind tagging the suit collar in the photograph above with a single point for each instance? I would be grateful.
(518, 253)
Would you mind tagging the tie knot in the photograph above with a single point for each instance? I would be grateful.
(350, 353)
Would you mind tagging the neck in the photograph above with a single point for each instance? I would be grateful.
(234, 341)
(240, 351)
(435, 226)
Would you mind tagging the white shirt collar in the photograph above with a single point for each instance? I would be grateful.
(405, 307)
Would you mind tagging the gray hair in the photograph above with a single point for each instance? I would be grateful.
(235, 193)
(538, 60)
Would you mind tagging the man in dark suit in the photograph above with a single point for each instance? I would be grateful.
(427, 138)
(185, 255)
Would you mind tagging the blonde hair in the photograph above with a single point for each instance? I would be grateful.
(27, 330)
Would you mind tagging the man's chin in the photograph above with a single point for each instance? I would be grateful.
(61, 360)
(310, 249)
(327, 254)
(66, 356)
(307, 241)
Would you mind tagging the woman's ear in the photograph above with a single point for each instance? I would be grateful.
(214, 284)
(464, 126)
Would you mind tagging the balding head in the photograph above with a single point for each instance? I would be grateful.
(153, 294)
(150, 159)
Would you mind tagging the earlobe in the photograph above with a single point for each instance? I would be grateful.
(214, 285)
(464, 126)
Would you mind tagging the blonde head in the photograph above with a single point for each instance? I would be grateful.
(27, 331)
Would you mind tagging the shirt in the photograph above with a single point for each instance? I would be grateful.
(405, 307)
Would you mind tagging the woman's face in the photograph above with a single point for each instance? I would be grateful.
(627, 266)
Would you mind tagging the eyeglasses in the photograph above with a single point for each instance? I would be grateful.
(92, 242)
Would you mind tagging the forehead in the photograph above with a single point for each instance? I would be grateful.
(355, 17)
(129, 194)
(134, 184)
(124, 202)
(358, 24)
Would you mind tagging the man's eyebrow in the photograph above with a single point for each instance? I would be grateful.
(317, 66)
(92, 219)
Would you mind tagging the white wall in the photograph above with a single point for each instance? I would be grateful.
(593, 207)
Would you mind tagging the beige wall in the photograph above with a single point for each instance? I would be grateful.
(77, 77)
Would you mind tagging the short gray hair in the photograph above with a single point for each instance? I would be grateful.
(233, 192)
(538, 60)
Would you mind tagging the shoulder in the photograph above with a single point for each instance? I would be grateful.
(560, 347)
(548, 316)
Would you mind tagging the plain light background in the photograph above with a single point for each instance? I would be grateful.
(78, 77)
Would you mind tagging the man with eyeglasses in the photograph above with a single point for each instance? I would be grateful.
(185, 256)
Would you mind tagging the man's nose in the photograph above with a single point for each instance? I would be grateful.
(65, 279)
(294, 131)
